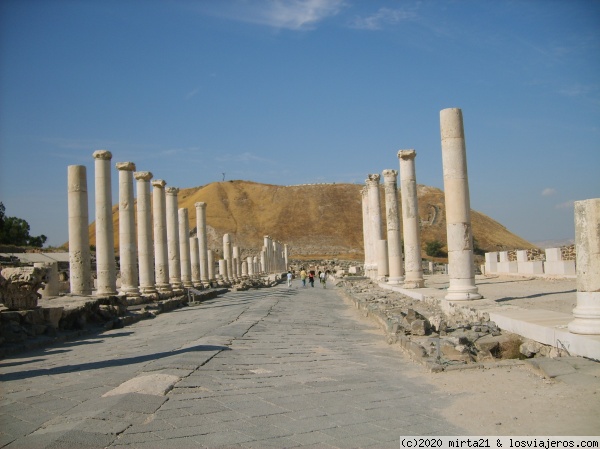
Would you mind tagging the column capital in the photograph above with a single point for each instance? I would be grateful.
(143, 175)
(407, 155)
(171, 190)
(372, 179)
(364, 191)
(125, 166)
(159, 183)
(103, 155)
(200, 205)
(390, 175)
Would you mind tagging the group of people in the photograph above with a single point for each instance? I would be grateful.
(310, 276)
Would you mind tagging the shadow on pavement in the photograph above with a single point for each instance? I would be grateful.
(25, 374)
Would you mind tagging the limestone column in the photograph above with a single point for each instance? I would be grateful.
(223, 270)
(106, 267)
(263, 261)
(286, 256)
(51, 289)
(458, 209)
(587, 244)
(202, 242)
(235, 260)
(256, 265)
(244, 269)
(173, 253)
(184, 248)
(144, 233)
(195, 262)
(394, 242)
(413, 268)
(366, 228)
(161, 260)
(80, 265)
(374, 218)
(382, 260)
(227, 256)
(250, 262)
(211, 266)
(127, 238)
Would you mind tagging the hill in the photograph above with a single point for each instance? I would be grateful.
(315, 220)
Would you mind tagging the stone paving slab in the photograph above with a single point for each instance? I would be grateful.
(277, 367)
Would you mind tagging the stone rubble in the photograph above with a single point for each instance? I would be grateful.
(431, 337)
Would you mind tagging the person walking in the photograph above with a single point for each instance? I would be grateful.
(323, 278)
(303, 277)
(289, 278)
(311, 278)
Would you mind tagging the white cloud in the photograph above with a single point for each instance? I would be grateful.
(382, 17)
(192, 93)
(548, 191)
(566, 205)
(286, 14)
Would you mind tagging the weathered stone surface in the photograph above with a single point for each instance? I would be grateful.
(19, 286)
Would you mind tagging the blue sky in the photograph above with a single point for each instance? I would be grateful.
(293, 92)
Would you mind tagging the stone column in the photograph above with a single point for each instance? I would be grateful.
(374, 218)
(211, 266)
(250, 262)
(223, 270)
(173, 253)
(202, 242)
(184, 248)
(244, 269)
(195, 262)
(227, 256)
(263, 261)
(394, 242)
(161, 261)
(144, 233)
(256, 265)
(51, 289)
(80, 278)
(106, 267)
(587, 243)
(413, 276)
(127, 238)
(286, 257)
(235, 260)
(382, 260)
(458, 209)
(366, 229)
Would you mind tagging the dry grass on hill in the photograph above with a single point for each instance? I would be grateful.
(316, 221)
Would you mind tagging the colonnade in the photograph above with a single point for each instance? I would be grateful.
(158, 256)
(384, 259)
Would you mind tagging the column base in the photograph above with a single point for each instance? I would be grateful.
(586, 314)
(131, 292)
(163, 288)
(396, 280)
(106, 293)
(413, 283)
(462, 290)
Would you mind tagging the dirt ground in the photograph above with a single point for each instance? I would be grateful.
(514, 400)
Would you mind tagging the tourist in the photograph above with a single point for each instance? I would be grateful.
(289, 278)
(303, 277)
(323, 278)
(311, 278)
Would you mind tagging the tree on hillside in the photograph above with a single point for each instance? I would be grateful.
(434, 249)
(15, 231)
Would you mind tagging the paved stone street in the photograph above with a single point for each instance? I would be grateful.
(275, 367)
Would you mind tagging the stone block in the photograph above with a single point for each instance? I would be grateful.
(507, 267)
(533, 267)
(560, 268)
(553, 255)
